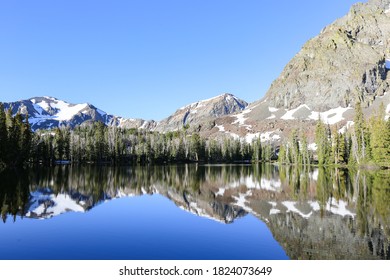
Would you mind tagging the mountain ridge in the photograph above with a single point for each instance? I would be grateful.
(49, 112)
(346, 64)
(200, 113)
(343, 65)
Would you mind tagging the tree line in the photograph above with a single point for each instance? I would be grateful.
(366, 142)
(99, 143)
(15, 139)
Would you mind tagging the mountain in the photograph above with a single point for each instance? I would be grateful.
(48, 112)
(344, 64)
(202, 112)
(347, 63)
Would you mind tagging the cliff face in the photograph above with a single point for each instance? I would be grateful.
(344, 64)
(347, 63)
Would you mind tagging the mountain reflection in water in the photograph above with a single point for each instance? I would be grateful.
(312, 213)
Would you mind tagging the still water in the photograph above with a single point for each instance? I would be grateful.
(194, 212)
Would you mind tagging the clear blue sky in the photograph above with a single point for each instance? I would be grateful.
(146, 58)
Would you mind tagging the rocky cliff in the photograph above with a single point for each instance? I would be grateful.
(344, 64)
(347, 63)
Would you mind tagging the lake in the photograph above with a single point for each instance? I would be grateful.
(194, 212)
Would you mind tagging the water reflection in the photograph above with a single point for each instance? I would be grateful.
(313, 213)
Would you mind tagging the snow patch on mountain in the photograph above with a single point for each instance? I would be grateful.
(250, 137)
(52, 111)
(44, 105)
(38, 109)
(264, 137)
(289, 114)
(67, 111)
(271, 117)
(331, 116)
(269, 136)
(221, 128)
(234, 135)
(240, 118)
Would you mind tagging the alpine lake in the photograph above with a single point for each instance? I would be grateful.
(194, 212)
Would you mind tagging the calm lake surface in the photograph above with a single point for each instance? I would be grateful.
(194, 212)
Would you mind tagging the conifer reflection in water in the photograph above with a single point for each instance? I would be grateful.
(312, 213)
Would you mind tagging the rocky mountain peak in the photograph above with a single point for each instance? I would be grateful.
(203, 111)
(343, 65)
(346, 64)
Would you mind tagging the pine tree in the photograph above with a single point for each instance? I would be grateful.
(195, 147)
(304, 150)
(294, 147)
(380, 138)
(360, 137)
(66, 136)
(59, 144)
(282, 154)
(342, 156)
(267, 153)
(322, 141)
(26, 138)
(15, 140)
(100, 146)
(335, 155)
(256, 150)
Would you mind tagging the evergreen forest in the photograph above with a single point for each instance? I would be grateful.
(367, 142)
